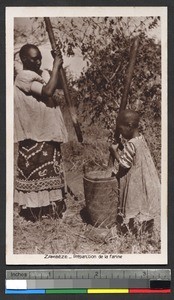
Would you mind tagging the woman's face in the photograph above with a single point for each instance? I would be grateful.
(33, 59)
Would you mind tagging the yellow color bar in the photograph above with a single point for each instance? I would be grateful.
(108, 291)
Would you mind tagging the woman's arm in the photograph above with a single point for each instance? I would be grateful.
(49, 89)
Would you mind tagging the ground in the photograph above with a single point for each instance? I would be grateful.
(72, 235)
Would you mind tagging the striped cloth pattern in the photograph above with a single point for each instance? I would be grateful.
(127, 155)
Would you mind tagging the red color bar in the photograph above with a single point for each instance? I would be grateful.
(149, 291)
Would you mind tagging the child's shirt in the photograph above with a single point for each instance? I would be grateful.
(32, 118)
(127, 155)
(140, 187)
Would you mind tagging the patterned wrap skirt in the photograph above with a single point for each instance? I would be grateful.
(40, 176)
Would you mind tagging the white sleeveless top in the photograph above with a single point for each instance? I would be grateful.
(32, 118)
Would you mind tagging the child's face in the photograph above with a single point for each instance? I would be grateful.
(126, 131)
(33, 59)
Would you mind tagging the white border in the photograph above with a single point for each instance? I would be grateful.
(11, 13)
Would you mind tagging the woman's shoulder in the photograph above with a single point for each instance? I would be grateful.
(45, 75)
(27, 75)
(25, 78)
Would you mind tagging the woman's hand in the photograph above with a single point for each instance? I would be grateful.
(57, 55)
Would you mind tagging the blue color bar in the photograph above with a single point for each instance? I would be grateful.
(25, 292)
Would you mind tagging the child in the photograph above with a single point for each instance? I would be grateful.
(39, 130)
(137, 175)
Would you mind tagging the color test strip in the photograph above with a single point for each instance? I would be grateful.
(160, 284)
(67, 291)
(25, 292)
(16, 284)
(88, 284)
(150, 291)
(108, 291)
(90, 291)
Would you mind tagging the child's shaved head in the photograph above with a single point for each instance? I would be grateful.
(128, 117)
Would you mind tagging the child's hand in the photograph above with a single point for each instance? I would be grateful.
(114, 151)
(113, 148)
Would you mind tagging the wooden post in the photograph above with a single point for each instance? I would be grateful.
(129, 73)
(128, 79)
(64, 83)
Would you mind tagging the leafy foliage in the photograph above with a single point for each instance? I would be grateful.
(105, 45)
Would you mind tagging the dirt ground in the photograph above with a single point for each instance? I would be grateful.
(72, 235)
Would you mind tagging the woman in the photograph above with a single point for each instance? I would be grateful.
(39, 131)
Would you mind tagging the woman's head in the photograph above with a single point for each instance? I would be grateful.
(31, 57)
(127, 123)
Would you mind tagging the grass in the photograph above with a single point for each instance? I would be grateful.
(71, 235)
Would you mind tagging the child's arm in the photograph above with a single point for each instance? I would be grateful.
(121, 172)
(114, 151)
(115, 154)
(125, 159)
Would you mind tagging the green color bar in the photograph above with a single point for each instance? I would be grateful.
(67, 291)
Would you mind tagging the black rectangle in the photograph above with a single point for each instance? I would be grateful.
(160, 284)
